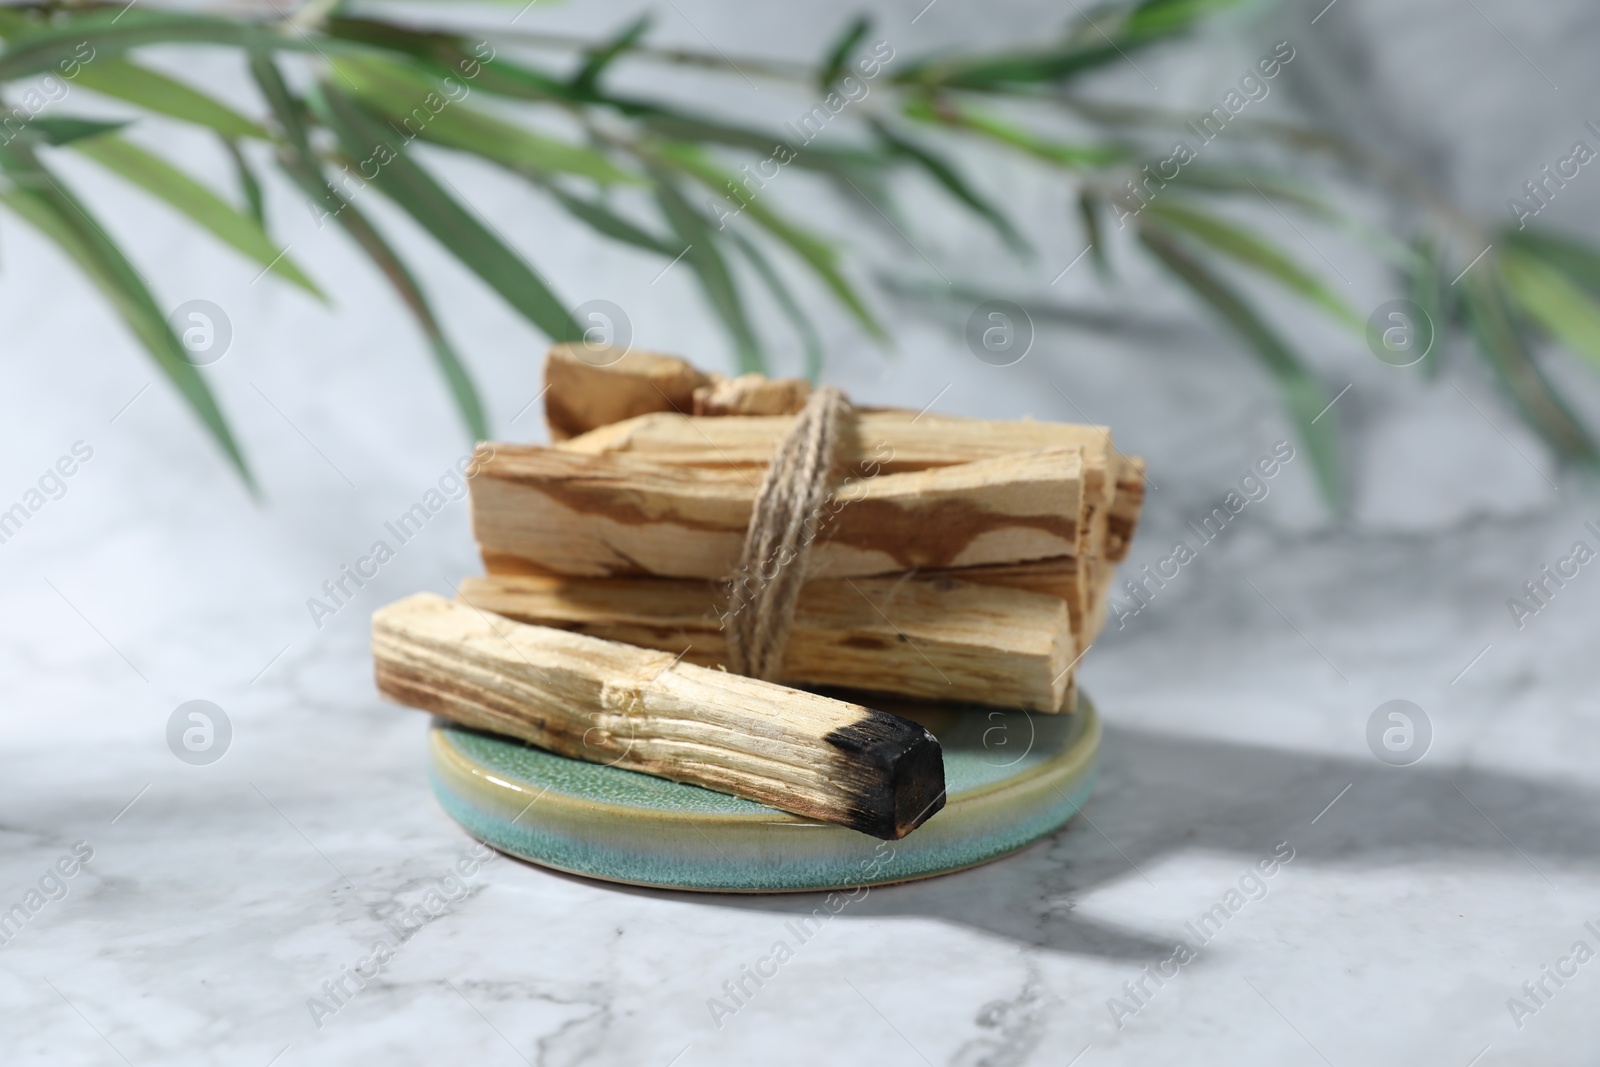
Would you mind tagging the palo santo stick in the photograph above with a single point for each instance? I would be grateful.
(1061, 577)
(752, 394)
(1102, 575)
(599, 390)
(588, 386)
(1123, 519)
(644, 711)
(938, 639)
(1084, 584)
(1064, 577)
(922, 437)
(886, 441)
(605, 515)
(877, 441)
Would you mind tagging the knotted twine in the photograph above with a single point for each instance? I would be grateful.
(765, 588)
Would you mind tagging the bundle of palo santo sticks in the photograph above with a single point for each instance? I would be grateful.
(956, 559)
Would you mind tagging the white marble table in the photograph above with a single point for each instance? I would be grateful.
(219, 900)
(222, 903)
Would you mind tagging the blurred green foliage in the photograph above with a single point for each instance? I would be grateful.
(343, 99)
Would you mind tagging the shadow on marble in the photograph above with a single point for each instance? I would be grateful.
(1162, 794)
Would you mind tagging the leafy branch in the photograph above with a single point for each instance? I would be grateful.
(343, 99)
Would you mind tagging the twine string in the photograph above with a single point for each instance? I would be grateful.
(764, 590)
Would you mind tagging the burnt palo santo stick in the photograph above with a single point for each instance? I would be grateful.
(599, 516)
(930, 638)
(645, 711)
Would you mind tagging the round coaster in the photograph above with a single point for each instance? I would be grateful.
(1011, 778)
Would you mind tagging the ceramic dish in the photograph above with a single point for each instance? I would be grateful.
(1012, 777)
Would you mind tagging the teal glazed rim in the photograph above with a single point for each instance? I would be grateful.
(1011, 777)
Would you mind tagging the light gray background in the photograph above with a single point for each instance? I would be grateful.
(1237, 703)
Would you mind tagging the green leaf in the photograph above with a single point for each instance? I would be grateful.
(809, 340)
(587, 80)
(301, 166)
(156, 92)
(71, 42)
(1111, 42)
(1498, 339)
(400, 178)
(249, 186)
(402, 95)
(701, 255)
(451, 55)
(17, 20)
(838, 57)
(405, 285)
(40, 199)
(290, 115)
(1306, 398)
(1577, 259)
(1089, 215)
(66, 129)
(1271, 186)
(1565, 311)
(608, 223)
(202, 206)
(946, 175)
(793, 145)
(1252, 181)
(1275, 186)
(1061, 153)
(953, 304)
(993, 72)
(818, 254)
(1248, 248)
(1166, 18)
(1429, 292)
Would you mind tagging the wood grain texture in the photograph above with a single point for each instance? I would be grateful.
(1101, 571)
(935, 638)
(914, 441)
(882, 441)
(879, 441)
(645, 711)
(612, 515)
(888, 439)
(588, 386)
(752, 394)
(1126, 504)
(1063, 577)
(1066, 577)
